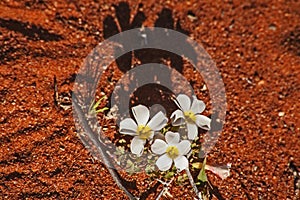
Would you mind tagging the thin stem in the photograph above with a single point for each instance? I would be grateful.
(188, 173)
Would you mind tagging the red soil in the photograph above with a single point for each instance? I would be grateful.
(256, 47)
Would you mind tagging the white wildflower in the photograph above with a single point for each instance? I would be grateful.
(142, 129)
(171, 150)
(189, 114)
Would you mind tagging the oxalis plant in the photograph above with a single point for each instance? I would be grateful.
(171, 146)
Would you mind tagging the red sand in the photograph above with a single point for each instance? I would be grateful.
(255, 44)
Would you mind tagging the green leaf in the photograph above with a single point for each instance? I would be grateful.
(149, 169)
(181, 179)
(102, 110)
(202, 175)
(169, 174)
(94, 106)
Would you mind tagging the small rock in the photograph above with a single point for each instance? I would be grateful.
(281, 114)
(262, 82)
(204, 88)
(272, 27)
(192, 16)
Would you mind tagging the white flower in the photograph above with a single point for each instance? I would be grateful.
(171, 150)
(189, 114)
(223, 171)
(142, 129)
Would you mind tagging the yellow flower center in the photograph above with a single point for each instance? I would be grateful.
(144, 132)
(190, 116)
(172, 152)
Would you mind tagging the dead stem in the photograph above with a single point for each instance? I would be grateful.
(114, 173)
(188, 173)
(166, 187)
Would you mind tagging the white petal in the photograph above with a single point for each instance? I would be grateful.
(137, 146)
(184, 147)
(203, 122)
(192, 131)
(177, 118)
(141, 114)
(172, 138)
(184, 102)
(198, 106)
(159, 147)
(128, 127)
(164, 162)
(158, 121)
(181, 163)
(223, 172)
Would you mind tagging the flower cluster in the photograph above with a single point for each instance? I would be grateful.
(170, 148)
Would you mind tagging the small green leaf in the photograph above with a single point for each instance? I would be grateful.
(182, 178)
(119, 151)
(94, 106)
(149, 169)
(102, 110)
(202, 175)
(169, 174)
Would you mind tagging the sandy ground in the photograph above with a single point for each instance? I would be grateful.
(256, 47)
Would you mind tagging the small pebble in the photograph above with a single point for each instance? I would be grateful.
(272, 27)
(281, 114)
(192, 16)
(204, 88)
(262, 82)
